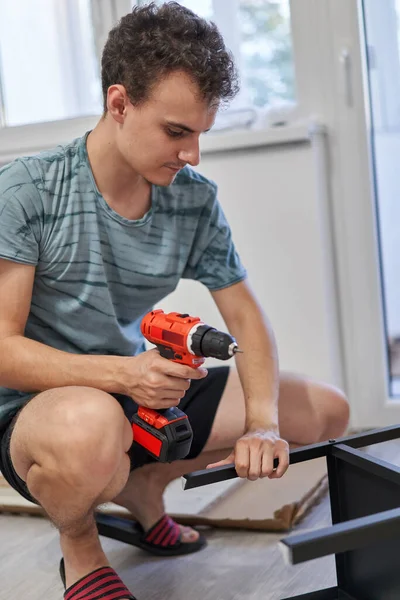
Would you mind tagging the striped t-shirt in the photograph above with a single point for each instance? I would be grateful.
(98, 273)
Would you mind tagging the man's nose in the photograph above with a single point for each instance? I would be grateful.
(191, 155)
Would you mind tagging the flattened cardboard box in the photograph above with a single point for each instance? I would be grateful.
(264, 505)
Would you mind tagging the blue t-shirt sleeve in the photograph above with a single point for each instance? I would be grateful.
(213, 259)
(20, 215)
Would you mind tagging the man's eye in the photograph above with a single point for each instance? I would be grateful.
(175, 134)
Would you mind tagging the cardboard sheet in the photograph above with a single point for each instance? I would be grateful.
(266, 505)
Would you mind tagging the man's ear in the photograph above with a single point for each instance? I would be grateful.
(117, 101)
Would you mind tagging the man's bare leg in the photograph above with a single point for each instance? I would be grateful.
(151, 480)
(69, 445)
(309, 412)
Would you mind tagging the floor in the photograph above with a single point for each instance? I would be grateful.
(235, 565)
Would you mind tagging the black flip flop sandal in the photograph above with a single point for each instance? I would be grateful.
(101, 583)
(163, 539)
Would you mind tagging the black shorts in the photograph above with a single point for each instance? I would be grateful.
(200, 403)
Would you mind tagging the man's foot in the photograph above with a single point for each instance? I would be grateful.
(103, 580)
(143, 497)
(76, 566)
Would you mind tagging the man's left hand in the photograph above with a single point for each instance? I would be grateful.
(254, 455)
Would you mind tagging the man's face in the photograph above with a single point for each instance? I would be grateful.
(161, 136)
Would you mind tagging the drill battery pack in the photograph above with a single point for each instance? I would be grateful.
(166, 434)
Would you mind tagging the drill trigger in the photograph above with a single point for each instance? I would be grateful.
(166, 351)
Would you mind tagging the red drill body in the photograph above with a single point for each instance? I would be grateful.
(167, 434)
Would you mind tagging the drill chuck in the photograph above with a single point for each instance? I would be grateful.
(208, 341)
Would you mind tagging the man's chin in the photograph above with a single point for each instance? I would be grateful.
(160, 178)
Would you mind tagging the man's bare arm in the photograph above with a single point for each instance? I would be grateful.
(258, 365)
(27, 365)
(258, 369)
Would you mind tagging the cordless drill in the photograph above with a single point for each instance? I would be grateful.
(167, 434)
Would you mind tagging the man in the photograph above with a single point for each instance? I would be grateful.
(92, 235)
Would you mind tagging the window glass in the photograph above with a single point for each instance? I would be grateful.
(266, 51)
(259, 34)
(48, 66)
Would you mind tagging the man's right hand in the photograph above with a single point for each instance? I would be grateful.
(156, 382)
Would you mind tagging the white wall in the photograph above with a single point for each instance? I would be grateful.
(272, 198)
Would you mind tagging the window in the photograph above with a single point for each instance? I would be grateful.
(266, 56)
(58, 78)
(48, 64)
(258, 32)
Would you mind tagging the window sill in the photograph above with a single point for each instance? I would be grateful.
(30, 139)
(273, 136)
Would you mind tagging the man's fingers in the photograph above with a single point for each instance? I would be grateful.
(184, 372)
(242, 459)
(173, 393)
(257, 450)
(267, 461)
(201, 373)
(226, 461)
(283, 465)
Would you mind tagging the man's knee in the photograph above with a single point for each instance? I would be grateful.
(79, 431)
(336, 413)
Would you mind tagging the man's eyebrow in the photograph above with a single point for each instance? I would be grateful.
(184, 127)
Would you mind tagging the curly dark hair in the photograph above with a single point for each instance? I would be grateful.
(153, 41)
